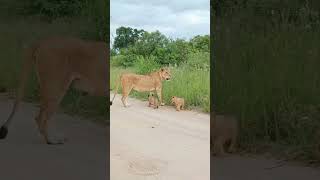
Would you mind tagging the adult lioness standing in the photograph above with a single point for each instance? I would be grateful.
(59, 62)
(142, 83)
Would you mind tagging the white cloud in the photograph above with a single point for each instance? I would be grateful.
(174, 18)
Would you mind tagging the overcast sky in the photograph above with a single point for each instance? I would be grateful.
(174, 18)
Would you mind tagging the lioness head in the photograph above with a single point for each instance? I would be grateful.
(165, 74)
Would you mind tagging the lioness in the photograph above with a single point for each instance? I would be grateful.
(153, 101)
(224, 131)
(59, 62)
(142, 83)
(178, 102)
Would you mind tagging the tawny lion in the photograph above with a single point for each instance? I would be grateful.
(153, 101)
(59, 62)
(142, 83)
(178, 102)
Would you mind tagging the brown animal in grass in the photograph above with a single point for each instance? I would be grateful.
(142, 83)
(178, 102)
(58, 62)
(153, 101)
(224, 131)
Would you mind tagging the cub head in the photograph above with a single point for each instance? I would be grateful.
(165, 74)
(150, 94)
(173, 99)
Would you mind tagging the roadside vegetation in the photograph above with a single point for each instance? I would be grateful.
(266, 72)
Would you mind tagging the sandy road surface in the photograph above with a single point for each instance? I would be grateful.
(169, 145)
(145, 144)
(24, 155)
(258, 168)
(149, 143)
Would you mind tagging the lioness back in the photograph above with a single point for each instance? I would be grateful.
(138, 82)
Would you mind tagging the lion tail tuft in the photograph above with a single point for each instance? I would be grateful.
(117, 87)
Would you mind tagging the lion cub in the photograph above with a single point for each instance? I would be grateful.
(178, 102)
(153, 101)
(224, 131)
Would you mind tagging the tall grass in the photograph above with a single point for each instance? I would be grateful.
(269, 77)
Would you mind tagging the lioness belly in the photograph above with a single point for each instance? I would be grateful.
(144, 84)
(143, 89)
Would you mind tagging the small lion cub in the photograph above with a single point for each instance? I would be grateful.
(224, 132)
(178, 102)
(153, 101)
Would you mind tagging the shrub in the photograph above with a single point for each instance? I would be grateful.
(144, 65)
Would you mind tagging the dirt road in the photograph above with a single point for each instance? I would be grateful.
(169, 145)
(146, 144)
(149, 143)
(24, 155)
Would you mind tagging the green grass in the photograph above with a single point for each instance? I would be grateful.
(191, 84)
(271, 80)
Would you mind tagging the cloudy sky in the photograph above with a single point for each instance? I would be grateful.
(174, 18)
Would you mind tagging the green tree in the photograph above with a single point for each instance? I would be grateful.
(153, 44)
(126, 36)
(178, 51)
(201, 43)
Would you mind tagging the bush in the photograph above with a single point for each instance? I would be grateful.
(146, 65)
(117, 60)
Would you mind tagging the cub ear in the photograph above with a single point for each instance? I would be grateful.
(162, 69)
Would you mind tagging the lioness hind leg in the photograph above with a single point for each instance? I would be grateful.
(125, 94)
(51, 96)
(218, 147)
(47, 109)
(232, 146)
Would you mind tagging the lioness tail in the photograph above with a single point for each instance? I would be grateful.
(117, 87)
(26, 69)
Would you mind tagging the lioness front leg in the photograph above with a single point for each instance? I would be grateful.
(159, 93)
